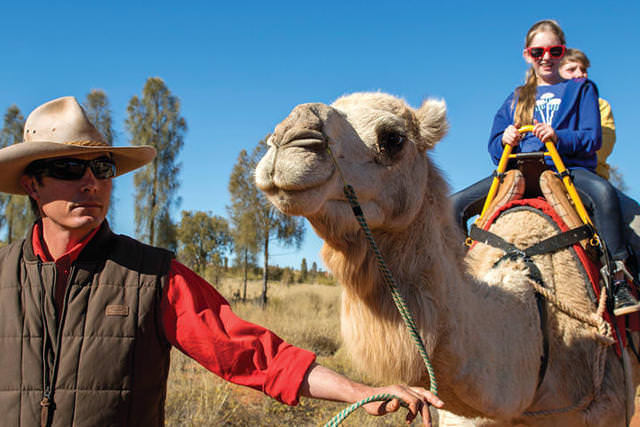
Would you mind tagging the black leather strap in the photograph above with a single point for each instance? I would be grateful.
(552, 244)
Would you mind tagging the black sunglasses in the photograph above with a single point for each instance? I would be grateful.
(71, 169)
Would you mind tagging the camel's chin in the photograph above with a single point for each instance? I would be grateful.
(297, 202)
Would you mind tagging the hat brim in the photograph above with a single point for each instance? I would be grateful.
(15, 158)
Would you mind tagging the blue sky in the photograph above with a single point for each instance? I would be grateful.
(240, 67)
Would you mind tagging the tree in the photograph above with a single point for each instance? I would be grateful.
(243, 215)
(617, 179)
(15, 209)
(154, 119)
(263, 219)
(304, 273)
(203, 239)
(99, 113)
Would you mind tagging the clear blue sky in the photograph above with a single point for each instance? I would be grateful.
(239, 68)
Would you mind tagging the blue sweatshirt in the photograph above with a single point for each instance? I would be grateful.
(576, 122)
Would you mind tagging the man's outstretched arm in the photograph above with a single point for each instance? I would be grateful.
(323, 383)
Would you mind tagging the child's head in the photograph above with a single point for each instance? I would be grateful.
(574, 64)
(544, 48)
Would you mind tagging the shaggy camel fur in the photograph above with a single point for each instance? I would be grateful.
(482, 330)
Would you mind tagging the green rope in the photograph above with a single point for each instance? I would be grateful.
(335, 421)
(395, 293)
(398, 300)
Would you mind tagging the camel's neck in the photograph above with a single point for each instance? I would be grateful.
(462, 322)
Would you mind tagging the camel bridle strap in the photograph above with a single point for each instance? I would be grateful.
(398, 299)
(603, 335)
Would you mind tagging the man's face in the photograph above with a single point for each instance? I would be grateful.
(573, 70)
(73, 205)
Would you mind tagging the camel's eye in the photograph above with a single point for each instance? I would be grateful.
(390, 142)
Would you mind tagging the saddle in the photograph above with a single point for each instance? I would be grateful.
(530, 180)
(533, 184)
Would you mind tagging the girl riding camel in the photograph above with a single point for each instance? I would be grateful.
(565, 112)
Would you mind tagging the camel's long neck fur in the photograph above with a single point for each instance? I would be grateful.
(462, 322)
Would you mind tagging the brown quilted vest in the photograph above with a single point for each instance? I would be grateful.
(113, 360)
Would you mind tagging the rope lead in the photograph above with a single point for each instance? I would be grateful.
(398, 300)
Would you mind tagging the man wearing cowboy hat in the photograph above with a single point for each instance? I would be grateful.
(87, 317)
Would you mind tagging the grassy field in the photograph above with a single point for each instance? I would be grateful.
(306, 315)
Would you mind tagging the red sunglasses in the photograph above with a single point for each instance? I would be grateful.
(556, 51)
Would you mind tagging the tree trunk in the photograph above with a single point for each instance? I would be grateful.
(9, 229)
(244, 292)
(153, 204)
(265, 274)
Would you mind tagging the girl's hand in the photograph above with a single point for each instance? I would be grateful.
(511, 136)
(544, 132)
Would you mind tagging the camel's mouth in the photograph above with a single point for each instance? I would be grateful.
(294, 175)
(313, 144)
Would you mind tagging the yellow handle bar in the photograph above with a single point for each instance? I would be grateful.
(560, 167)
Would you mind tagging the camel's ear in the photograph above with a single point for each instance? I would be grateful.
(432, 119)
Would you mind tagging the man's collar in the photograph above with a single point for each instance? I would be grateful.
(40, 247)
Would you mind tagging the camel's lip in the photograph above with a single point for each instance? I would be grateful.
(294, 189)
(311, 143)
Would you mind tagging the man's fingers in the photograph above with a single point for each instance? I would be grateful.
(428, 397)
(392, 405)
(426, 416)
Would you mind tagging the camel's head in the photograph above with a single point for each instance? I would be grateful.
(379, 144)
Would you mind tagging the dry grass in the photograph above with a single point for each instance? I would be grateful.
(305, 315)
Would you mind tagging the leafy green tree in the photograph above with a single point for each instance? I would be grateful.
(265, 221)
(203, 240)
(15, 209)
(314, 270)
(154, 119)
(243, 215)
(98, 111)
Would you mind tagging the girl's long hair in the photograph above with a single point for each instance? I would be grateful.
(526, 94)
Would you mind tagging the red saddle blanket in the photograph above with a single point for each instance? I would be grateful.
(591, 267)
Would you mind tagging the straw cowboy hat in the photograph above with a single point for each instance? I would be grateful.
(60, 128)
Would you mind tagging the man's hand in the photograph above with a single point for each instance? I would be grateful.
(323, 383)
(417, 398)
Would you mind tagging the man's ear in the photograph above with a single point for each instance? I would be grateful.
(29, 185)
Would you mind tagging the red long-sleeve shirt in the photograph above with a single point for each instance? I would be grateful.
(199, 322)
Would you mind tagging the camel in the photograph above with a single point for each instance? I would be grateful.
(480, 324)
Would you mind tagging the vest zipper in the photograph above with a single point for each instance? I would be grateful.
(47, 403)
